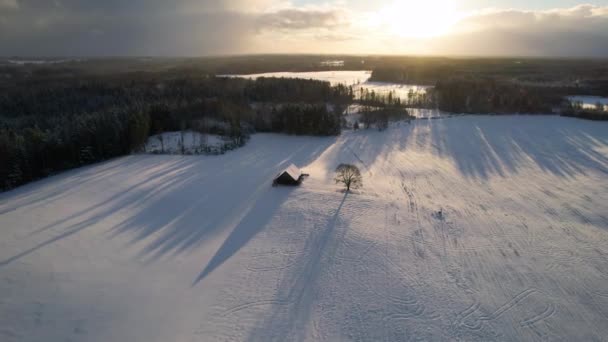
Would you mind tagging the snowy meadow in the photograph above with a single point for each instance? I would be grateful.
(203, 248)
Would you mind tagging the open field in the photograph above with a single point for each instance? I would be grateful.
(202, 248)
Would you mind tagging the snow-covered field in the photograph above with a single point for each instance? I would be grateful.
(40, 61)
(202, 248)
(589, 101)
(358, 79)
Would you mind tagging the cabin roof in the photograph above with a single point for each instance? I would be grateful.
(293, 172)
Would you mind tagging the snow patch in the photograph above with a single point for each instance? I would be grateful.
(187, 142)
(589, 102)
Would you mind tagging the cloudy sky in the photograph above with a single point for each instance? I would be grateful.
(212, 27)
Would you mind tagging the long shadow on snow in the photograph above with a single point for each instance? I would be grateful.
(364, 147)
(213, 197)
(300, 288)
(255, 220)
(167, 205)
(96, 213)
(59, 186)
(482, 146)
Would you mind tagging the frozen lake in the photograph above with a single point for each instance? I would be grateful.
(358, 79)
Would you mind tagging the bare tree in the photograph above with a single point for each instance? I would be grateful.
(349, 175)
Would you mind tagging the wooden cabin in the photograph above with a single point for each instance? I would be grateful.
(292, 175)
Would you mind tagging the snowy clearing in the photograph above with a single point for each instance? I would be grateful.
(358, 79)
(589, 102)
(353, 114)
(193, 143)
(422, 113)
(202, 248)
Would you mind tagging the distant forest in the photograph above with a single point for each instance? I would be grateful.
(459, 92)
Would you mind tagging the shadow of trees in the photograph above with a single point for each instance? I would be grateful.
(300, 286)
(172, 203)
(483, 146)
(258, 215)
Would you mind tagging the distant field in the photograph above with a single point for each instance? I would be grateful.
(202, 248)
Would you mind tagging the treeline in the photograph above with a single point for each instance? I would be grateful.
(487, 96)
(55, 124)
(415, 74)
(75, 96)
(300, 119)
(282, 90)
(32, 152)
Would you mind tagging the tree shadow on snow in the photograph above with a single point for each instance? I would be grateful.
(483, 146)
(56, 187)
(172, 204)
(300, 286)
(254, 221)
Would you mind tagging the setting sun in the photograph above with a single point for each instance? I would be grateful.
(418, 19)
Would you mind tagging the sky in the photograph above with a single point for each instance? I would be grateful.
(536, 28)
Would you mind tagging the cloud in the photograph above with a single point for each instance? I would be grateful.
(243, 6)
(204, 27)
(576, 31)
(301, 19)
(155, 27)
(116, 28)
(9, 5)
(577, 18)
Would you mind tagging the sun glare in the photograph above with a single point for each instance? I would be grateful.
(418, 19)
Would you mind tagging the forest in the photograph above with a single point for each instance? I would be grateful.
(49, 125)
(493, 97)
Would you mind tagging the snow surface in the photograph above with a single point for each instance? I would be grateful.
(589, 101)
(41, 61)
(202, 248)
(333, 63)
(422, 113)
(172, 142)
(359, 79)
